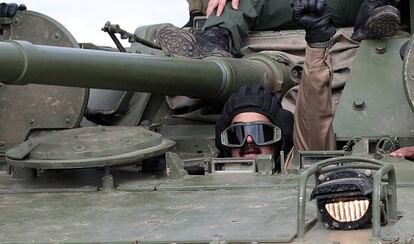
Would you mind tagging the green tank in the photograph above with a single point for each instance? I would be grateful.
(104, 145)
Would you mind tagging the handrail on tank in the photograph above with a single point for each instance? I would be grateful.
(382, 170)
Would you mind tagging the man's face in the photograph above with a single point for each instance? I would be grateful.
(250, 149)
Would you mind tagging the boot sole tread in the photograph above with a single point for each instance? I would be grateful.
(384, 22)
(175, 41)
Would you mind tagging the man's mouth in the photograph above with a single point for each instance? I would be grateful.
(250, 149)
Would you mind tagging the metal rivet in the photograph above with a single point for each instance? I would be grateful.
(321, 177)
(368, 173)
(2, 144)
(359, 104)
(126, 141)
(68, 121)
(32, 122)
(79, 147)
(56, 36)
(153, 221)
(17, 21)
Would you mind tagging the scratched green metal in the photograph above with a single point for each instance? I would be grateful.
(249, 214)
(377, 80)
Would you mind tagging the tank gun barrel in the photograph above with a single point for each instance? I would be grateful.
(213, 78)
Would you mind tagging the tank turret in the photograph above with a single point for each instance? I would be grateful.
(143, 171)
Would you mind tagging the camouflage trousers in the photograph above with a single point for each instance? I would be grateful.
(261, 15)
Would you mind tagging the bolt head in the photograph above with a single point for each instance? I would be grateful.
(17, 21)
(32, 122)
(56, 36)
(321, 177)
(359, 104)
(381, 48)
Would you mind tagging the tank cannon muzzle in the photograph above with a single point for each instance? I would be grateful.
(213, 78)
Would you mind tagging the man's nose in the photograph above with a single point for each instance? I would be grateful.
(249, 140)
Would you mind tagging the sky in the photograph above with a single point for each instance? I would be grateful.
(85, 18)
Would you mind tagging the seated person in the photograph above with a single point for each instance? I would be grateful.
(254, 122)
(223, 34)
(253, 111)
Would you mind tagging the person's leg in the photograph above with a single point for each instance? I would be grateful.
(380, 18)
(256, 15)
(234, 25)
(237, 22)
(204, 4)
(377, 19)
(276, 15)
(176, 41)
(344, 12)
(194, 5)
(260, 15)
(219, 31)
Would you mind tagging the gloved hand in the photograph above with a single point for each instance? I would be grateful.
(193, 14)
(9, 10)
(313, 16)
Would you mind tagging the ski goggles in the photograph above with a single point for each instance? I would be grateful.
(263, 134)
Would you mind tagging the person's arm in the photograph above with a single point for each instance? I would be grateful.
(314, 111)
(218, 6)
(404, 152)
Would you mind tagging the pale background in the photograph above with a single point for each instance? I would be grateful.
(85, 18)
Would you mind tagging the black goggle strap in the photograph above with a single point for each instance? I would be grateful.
(262, 133)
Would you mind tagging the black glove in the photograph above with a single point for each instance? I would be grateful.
(9, 10)
(314, 17)
(193, 14)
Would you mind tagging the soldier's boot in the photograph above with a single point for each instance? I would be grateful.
(377, 19)
(175, 41)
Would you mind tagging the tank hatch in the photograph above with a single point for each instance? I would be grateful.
(88, 147)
